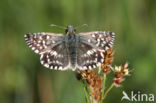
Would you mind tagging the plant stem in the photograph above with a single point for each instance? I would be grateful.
(103, 87)
(91, 97)
(86, 95)
(108, 90)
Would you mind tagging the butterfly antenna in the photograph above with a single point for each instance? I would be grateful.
(53, 25)
(81, 26)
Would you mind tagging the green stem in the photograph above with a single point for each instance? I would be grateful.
(91, 97)
(86, 95)
(108, 90)
(103, 87)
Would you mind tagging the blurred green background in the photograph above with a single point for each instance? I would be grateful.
(24, 80)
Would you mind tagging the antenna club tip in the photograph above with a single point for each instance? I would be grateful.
(52, 25)
(85, 24)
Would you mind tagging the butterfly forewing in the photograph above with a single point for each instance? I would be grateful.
(41, 42)
(100, 40)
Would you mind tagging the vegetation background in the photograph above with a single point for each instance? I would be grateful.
(24, 80)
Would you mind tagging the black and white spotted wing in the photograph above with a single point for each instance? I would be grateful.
(51, 48)
(98, 39)
(88, 57)
(41, 42)
(91, 48)
(57, 58)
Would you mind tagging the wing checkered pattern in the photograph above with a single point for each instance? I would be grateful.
(92, 47)
(51, 48)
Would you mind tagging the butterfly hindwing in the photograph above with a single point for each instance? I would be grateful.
(57, 58)
(88, 57)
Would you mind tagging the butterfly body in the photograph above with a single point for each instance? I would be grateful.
(71, 51)
(71, 44)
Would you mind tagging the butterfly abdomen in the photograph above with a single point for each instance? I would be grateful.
(71, 45)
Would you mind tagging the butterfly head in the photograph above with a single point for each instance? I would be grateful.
(70, 29)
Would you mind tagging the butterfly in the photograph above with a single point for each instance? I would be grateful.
(71, 51)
